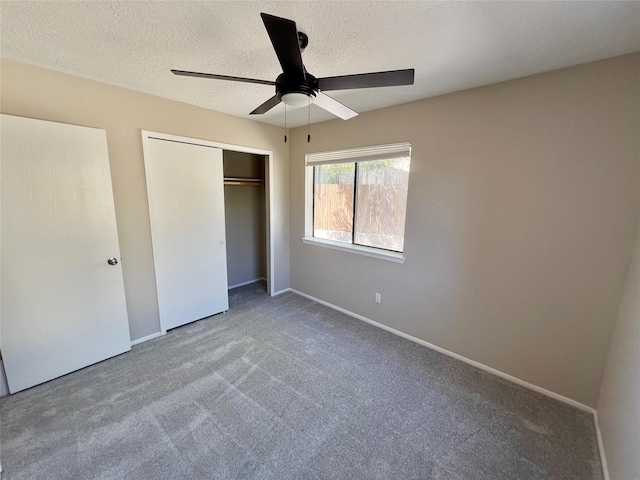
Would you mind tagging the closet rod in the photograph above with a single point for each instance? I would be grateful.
(243, 181)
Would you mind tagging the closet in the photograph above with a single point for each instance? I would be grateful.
(245, 217)
(208, 215)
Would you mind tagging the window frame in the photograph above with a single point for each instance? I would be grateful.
(355, 155)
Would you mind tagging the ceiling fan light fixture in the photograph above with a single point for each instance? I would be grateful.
(296, 99)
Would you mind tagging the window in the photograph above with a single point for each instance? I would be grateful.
(358, 198)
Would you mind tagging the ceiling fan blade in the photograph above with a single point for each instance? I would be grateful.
(266, 106)
(221, 77)
(284, 37)
(368, 80)
(331, 105)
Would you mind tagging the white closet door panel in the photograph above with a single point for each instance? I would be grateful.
(63, 305)
(186, 202)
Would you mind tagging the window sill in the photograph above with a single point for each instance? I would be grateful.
(358, 249)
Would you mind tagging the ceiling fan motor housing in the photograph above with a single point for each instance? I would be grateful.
(293, 84)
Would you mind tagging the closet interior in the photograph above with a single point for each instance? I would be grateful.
(245, 217)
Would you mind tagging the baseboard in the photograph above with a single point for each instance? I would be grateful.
(246, 283)
(148, 337)
(285, 290)
(603, 457)
(481, 366)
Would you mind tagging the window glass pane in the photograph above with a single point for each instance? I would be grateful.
(333, 201)
(381, 203)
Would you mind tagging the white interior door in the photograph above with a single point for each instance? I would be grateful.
(63, 306)
(186, 205)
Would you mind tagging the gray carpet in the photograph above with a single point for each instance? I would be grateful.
(285, 388)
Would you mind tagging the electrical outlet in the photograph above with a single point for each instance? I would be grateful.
(378, 298)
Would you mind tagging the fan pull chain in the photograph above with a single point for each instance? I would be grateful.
(285, 123)
(309, 122)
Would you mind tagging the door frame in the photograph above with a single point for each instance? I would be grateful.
(268, 183)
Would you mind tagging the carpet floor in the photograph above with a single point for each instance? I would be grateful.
(286, 388)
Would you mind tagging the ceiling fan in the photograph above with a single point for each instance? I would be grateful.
(296, 87)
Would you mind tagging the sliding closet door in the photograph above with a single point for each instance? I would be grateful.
(63, 303)
(186, 205)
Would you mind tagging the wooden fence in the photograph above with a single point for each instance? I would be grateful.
(381, 208)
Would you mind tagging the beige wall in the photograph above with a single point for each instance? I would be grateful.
(38, 93)
(619, 403)
(522, 217)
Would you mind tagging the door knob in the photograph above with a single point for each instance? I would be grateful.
(112, 261)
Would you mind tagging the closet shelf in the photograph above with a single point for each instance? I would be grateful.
(243, 181)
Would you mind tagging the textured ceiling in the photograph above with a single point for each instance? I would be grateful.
(452, 45)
